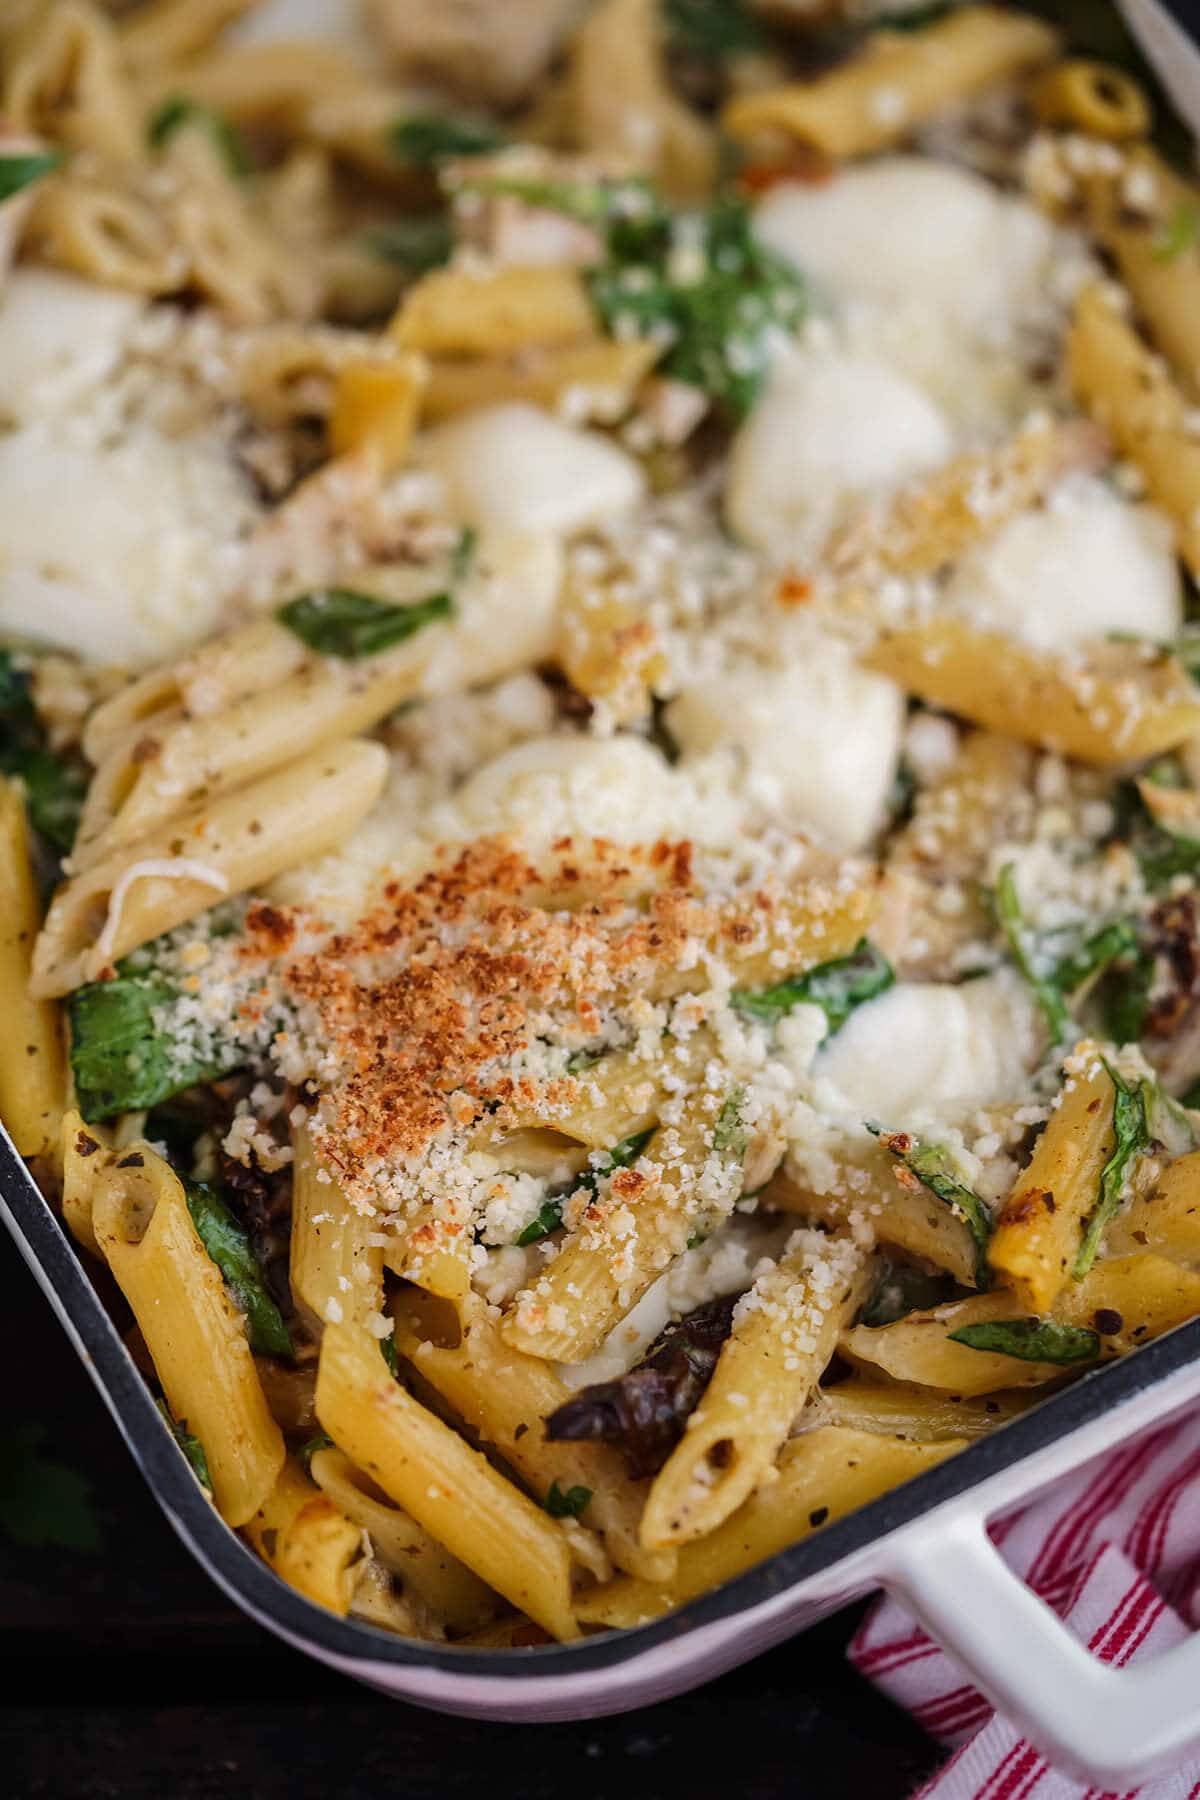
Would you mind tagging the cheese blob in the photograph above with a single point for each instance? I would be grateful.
(506, 611)
(516, 468)
(1088, 564)
(906, 228)
(829, 430)
(923, 1045)
(554, 787)
(122, 552)
(820, 739)
(58, 337)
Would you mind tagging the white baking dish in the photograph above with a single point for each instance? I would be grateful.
(926, 1541)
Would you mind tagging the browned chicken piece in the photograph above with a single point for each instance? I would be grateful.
(475, 48)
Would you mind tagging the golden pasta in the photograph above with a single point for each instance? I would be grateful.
(897, 82)
(32, 1070)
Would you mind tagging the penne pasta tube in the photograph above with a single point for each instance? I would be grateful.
(244, 840)
(922, 1415)
(450, 1489)
(1126, 1300)
(378, 1601)
(618, 101)
(87, 1153)
(1155, 250)
(252, 660)
(1067, 703)
(910, 1218)
(1124, 386)
(434, 1251)
(195, 1335)
(264, 83)
(33, 1077)
(822, 1475)
(1165, 1218)
(934, 522)
(505, 1396)
(63, 78)
(595, 380)
(156, 778)
(618, 1098)
(897, 83)
(446, 1586)
(1094, 97)
(609, 650)
(375, 409)
(461, 312)
(165, 31)
(308, 1541)
(785, 1330)
(334, 1272)
(687, 1179)
(1039, 1227)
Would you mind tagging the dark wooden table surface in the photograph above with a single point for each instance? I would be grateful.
(126, 1673)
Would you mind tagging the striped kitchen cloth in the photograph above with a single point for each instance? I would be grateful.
(1115, 1549)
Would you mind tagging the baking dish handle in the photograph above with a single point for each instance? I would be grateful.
(1106, 1726)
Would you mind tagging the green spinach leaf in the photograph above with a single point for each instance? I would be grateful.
(902, 1289)
(704, 286)
(344, 623)
(21, 168)
(178, 110)
(569, 1504)
(934, 1168)
(416, 244)
(1131, 1130)
(1022, 950)
(549, 1214)
(1032, 1340)
(423, 140)
(54, 787)
(320, 1440)
(714, 29)
(1179, 233)
(729, 1133)
(191, 1446)
(125, 1056)
(837, 987)
(228, 1244)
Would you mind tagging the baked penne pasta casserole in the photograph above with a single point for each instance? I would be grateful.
(599, 757)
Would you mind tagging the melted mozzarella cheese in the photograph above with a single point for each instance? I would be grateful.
(58, 338)
(553, 787)
(820, 739)
(123, 552)
(923, 1045)
(907, 228)
(1086, 565)
(515, 468)
(828, 430)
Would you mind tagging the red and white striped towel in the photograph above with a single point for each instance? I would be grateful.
(1115, 1550)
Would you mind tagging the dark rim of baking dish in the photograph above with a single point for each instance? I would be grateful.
(42, 1239)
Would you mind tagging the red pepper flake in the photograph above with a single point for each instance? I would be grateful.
(793, 590)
